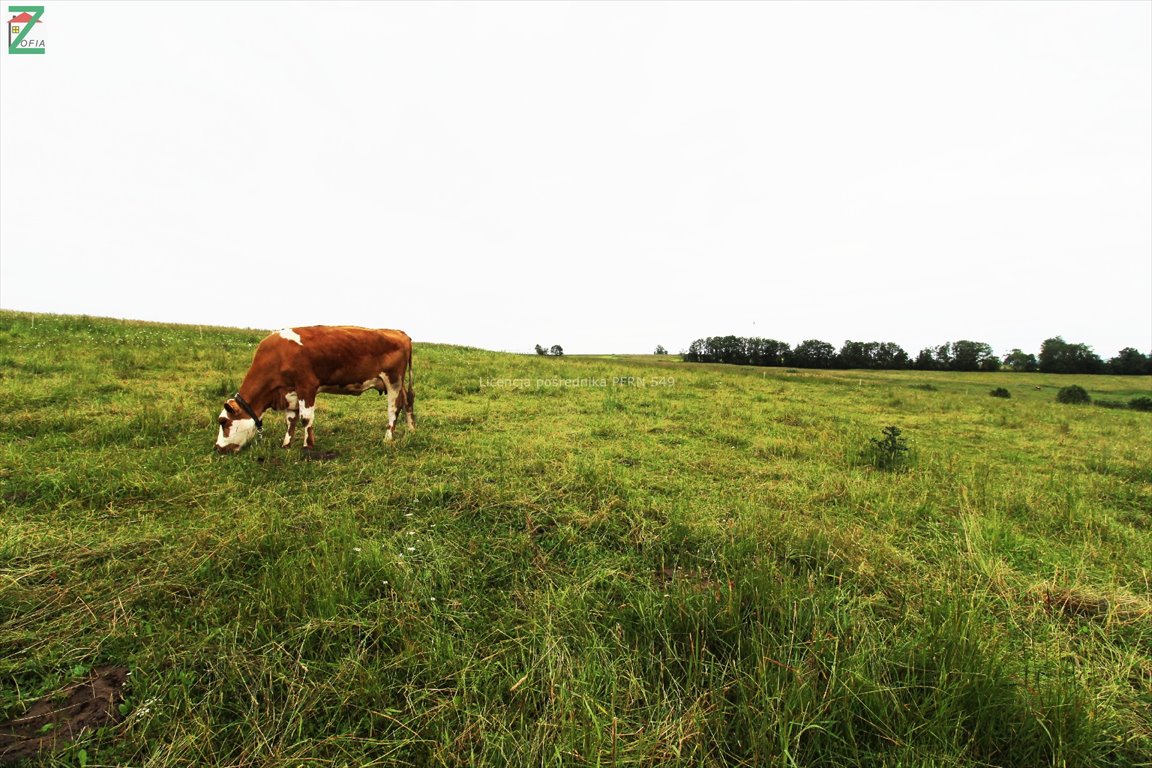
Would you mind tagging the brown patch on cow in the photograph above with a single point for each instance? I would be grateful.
(59, 718)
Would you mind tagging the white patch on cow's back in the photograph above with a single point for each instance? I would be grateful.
(290, 335)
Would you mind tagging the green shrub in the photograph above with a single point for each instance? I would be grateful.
(889, 454)
(1111, 404)
(1140, 403)
(1073, 395)
(1000, 392)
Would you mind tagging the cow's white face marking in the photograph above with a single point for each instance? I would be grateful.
(234, 433)
(291, 335)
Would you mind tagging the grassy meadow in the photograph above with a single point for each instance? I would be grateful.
(563, 567)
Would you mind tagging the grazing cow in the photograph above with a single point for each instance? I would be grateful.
(293, 365)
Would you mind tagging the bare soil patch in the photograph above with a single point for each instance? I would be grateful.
(60, 717)
(311, 455)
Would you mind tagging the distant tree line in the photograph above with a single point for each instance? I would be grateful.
(1056, 356)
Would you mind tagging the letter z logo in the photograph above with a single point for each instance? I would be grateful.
(14, 45)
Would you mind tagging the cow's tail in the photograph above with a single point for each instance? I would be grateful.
(410, 394)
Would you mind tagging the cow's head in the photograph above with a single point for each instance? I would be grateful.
(236, 428)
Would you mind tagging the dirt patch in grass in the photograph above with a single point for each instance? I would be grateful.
(311, 455)
(59, 717)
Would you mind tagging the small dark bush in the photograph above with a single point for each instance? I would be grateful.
(1000, 392)
(1112, 404)
(889, 454)
(1140, 403)
(1073, 395)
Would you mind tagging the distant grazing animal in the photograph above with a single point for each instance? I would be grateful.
(294, 364)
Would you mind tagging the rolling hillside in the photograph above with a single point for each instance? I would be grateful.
(610, 560)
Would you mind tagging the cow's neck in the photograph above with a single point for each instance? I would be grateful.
(260, 398)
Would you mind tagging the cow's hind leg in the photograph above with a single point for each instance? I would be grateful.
(408, 397)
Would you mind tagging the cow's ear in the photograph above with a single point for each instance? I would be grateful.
(230, 406)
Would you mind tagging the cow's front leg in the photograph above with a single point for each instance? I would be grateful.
(293, 413)
(392, 394)
(307, 419)
(292, 416)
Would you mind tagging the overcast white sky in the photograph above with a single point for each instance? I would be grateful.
(604, 176)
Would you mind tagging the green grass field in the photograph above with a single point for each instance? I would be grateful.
(706, 570)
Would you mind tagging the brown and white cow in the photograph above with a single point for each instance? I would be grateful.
(293, 365)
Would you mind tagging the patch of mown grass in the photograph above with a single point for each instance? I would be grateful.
(695, 573)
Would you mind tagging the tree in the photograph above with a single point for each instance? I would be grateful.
(556, 350)
(891, 356)
(540, 350)
(1059, 356)
(773, 352)
(926, 360)
(695, 353)
(991, 363)
(660, 350)
(813, 353)
(1018, 361)
(736, 350)
(1130, 362)
(856, 354)
(727, 349)
(871, 354)
(973, 356)
(1054, 355)
(765, 351)
(943, 355)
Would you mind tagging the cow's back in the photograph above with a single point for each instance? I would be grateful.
(336, 354)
